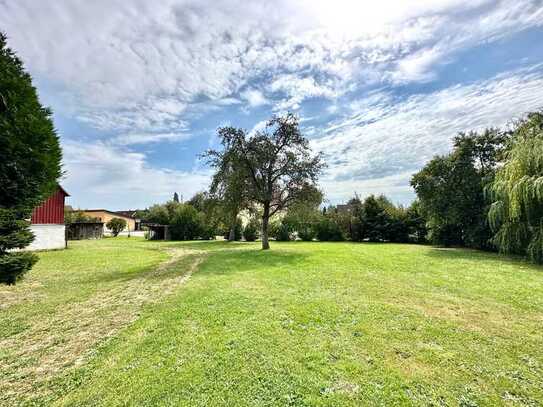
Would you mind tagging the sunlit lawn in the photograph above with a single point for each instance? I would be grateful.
(302, 324)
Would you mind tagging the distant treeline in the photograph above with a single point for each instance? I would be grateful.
(375, 219)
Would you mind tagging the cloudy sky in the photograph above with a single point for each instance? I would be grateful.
(138, 88)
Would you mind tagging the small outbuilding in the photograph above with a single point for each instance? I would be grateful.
(157, 232)
(85, 230)
(47, 223)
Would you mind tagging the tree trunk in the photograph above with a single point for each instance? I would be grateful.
(232, 233)
(265, 221)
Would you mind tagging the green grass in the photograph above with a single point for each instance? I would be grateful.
(303, 324)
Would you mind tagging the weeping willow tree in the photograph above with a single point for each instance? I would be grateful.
(516, 215)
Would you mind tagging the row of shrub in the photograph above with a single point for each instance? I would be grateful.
(375, 219)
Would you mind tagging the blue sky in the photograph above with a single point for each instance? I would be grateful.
(138, 89)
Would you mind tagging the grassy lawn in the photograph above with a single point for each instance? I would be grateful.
(114, 322)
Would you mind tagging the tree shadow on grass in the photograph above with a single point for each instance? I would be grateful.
(238, 257)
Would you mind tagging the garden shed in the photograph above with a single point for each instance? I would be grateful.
(85, 230)
(157, 232)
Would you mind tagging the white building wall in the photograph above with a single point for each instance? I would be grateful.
(48, 237)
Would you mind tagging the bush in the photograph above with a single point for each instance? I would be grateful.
(416, 223)
(14, 234)
(446, 235)
(250, 232)
(207, 227)
(185, 223)
(281, 231)
(307, 234)
(379, 220)
(116, 225)
(328, 229)
(302, 219)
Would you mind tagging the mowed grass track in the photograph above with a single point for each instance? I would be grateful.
(314, 324)
(72, 302)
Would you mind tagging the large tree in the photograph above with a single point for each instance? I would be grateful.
(451, 189)
(30, 162)
(275, 166)
(516, 214)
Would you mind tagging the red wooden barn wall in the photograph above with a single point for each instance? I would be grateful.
(52, 210)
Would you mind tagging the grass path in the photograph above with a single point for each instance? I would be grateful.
(75, 300)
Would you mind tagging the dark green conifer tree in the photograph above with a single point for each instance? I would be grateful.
(30, 162)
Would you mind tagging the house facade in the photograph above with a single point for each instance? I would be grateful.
(103, 215)
(47, 223)
(133, 214)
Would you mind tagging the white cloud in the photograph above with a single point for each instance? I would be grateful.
(418, 66)
(144, 71)
(136, 65)
(103, 176)
(379, 138)
(146, 138)
(297, 89)
(254, 97)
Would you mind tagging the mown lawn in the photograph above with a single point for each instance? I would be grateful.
(303, 324)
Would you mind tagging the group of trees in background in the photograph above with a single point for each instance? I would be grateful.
(195, 219)
(375, 219)
(201, 217)
(488, 192)
(451, 189)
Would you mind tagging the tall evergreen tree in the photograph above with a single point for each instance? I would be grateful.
(30, 162)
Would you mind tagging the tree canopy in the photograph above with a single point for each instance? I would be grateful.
(230, 188)
(273, 167)
(450, 189)
(116, 225)
(30, 157)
